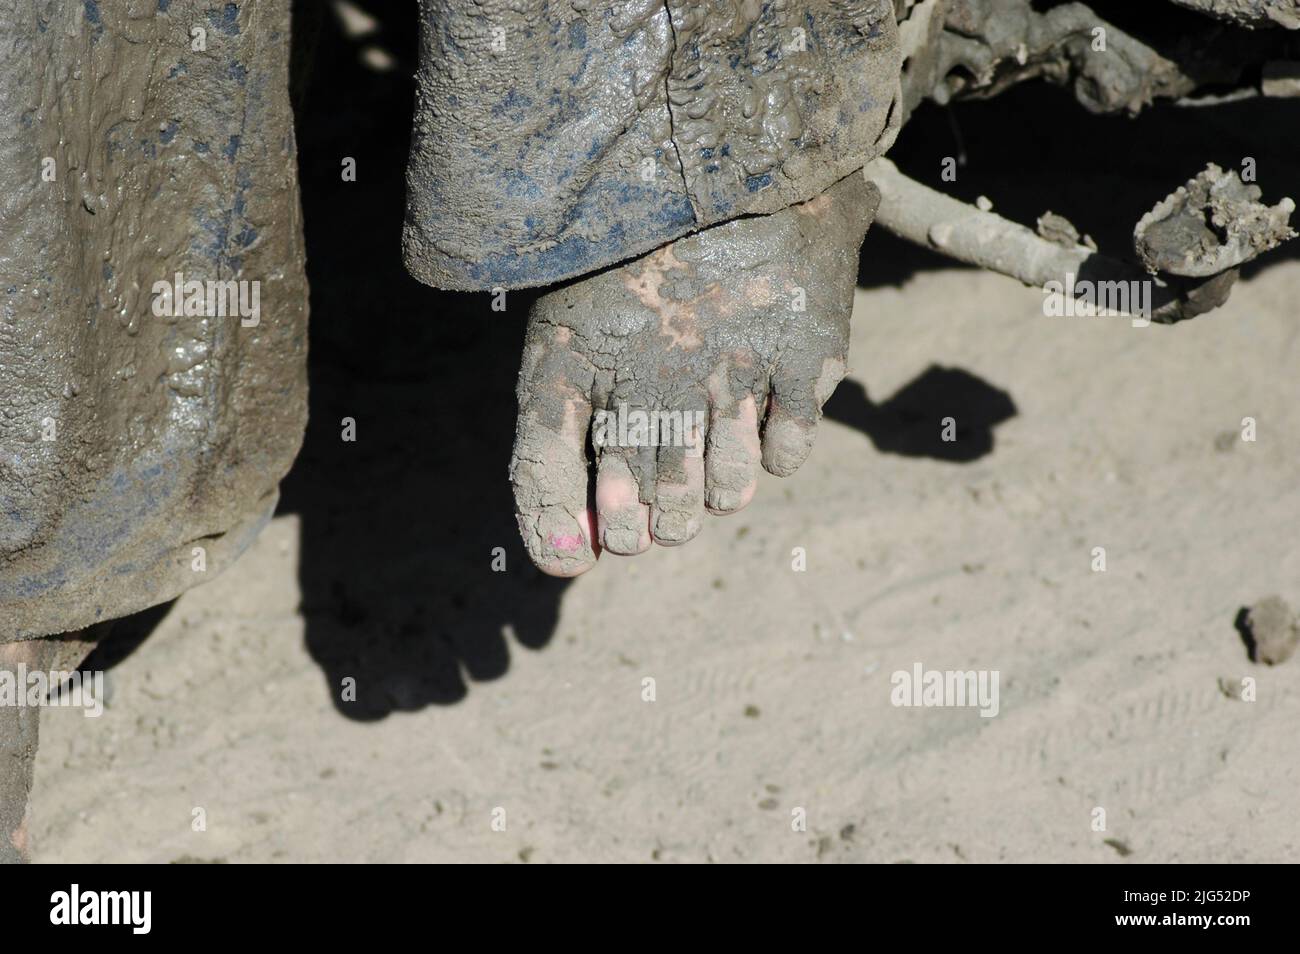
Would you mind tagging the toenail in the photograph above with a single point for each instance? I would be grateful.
(669, 527)
(724, 498)
(622, 540)
(566, 542)
(674, 527)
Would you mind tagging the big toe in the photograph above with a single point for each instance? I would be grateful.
(549, 476)
(558, 542)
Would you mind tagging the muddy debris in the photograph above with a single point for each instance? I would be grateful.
(1210, 225)
(1270, 630)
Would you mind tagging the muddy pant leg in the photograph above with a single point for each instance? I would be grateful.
(152, 300)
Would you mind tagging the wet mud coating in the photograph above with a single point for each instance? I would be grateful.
(742, 329)
(555, 138)
(141, 141)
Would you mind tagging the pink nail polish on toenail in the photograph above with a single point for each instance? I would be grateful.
(567, 542)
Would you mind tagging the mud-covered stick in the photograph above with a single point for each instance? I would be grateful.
(922, 215)
(1196, 238)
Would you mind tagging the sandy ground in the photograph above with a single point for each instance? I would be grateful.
(773, 686)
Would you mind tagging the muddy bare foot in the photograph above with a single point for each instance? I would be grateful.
(681, 371)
